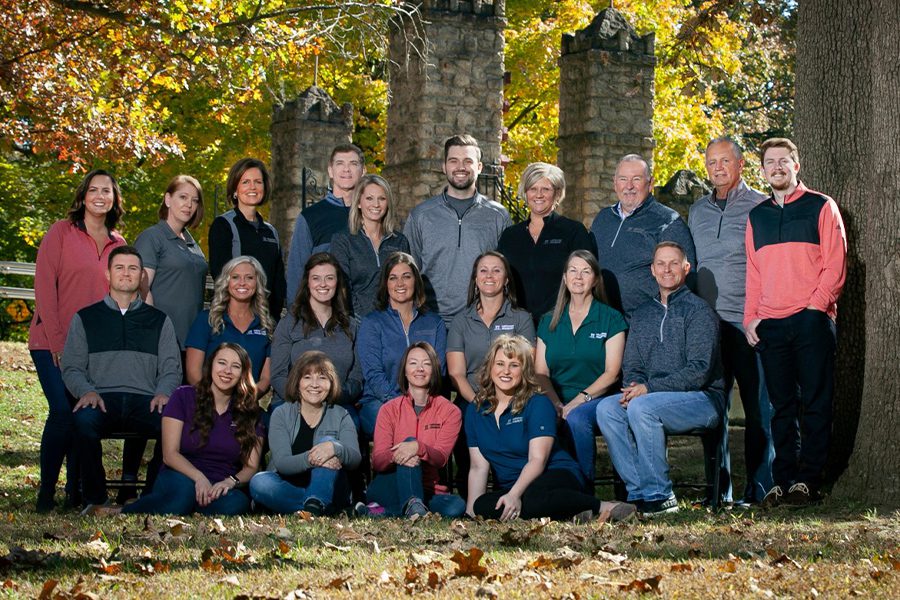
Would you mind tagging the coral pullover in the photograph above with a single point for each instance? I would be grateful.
(796, 256)
(435, 428)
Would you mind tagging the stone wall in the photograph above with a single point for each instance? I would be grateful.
(446, 77)
(303, 133)
(605, 109)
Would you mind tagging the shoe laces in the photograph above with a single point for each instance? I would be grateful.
(799, 487)
(776, 491)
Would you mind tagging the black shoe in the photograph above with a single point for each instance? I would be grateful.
(799, 494)
(651, 508)
(45, 503)
(72, 502)
(314, 506)
(774, 497)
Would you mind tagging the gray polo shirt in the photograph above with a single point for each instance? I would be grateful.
(468, 334)
(180, 276)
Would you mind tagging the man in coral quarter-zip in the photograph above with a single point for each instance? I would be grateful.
(796, 266)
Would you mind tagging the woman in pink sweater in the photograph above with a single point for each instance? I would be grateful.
(70, 274)
(414, 436)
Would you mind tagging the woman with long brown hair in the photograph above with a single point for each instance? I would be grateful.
(211, 440)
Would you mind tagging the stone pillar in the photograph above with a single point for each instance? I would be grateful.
(605, 109)
(446, 77)
(303, 133)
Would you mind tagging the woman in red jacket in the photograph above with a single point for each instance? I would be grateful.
(70, 274)
(414, 436)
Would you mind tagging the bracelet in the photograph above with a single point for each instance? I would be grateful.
(237, 482)
(587, 397)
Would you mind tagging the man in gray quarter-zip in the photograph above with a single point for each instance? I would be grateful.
(672, 382)
(718, 223)
(449, 231)
(627, 232)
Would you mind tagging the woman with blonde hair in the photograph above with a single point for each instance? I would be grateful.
(239, 313)
(511, 429)
(374, 234)
(538, 247)
(313, 443)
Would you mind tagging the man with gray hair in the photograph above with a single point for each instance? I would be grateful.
(718, 223)
(627, 232)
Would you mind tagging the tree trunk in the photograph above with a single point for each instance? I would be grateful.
(848, 131)
(832, 121)
(874, 472)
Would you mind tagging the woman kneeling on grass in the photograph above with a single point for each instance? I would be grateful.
(414, 436)
(511, 429)
(313, 442)
(210, 433)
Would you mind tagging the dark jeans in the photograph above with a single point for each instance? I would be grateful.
(175, 494)
(393, 489)
(742, 363)
(558, 494)
(124, 413)
(56, 441)
(461, 460)
(797, 355)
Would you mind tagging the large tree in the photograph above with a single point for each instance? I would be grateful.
(848, 130)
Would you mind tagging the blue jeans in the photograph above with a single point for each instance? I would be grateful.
(394, 489)
(280, 496)
(124, 412)
(636, 437)
(582, 423)
(174, 493)
(368, 413)
(56, 441)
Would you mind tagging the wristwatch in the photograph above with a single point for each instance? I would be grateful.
(587, 397)
(237, 482)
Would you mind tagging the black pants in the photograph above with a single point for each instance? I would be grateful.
(461, 453)
(740, 362)
(558, 494)
(124, 412)
(797, 354)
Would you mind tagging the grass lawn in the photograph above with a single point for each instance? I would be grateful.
(826, 551)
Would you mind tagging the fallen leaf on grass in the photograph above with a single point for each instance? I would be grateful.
(877, 574)
(20, 557)
(230, 580)
(515, 536)
(459, 528)
(615, 558)
(728, 567)
(305, 515)
(331, 546)
(487, 591)
(347, 533)
(681, 568)
(434, 581)
(9, 584)
(217, 526)
(211, 566)
(412, 575)
(468, 565)
(784, 559)
(642, 586)
(426, 558)
(47, 589)
(564, 558)
(340, 583)
(152, 567)
(283, 548)
(109, 568)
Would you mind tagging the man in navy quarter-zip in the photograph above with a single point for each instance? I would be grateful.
(627, 232)
(449, 231)
(672, 382)
(718, 223)
(122, 361)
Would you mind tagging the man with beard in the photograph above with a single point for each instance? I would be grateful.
(448, 232)
(796, 267)
(318, 222)
(122, 361)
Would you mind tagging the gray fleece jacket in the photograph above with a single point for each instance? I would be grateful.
(675, 347)
(284, 426)
(445, 245)
(721, 256)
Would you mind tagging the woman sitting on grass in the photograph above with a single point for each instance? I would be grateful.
(414, 436)
(313, 443)
(511, 429)
(210, 433)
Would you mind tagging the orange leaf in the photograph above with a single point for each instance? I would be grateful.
(212, 567)
(340, 583)
(434, 581)
(642, 586)
(468, 565)
(729, 567)
(412, 575)
(47, 590)
(681, 568)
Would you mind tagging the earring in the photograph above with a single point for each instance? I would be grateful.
(234, 195)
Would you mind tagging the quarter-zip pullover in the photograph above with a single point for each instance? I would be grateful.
(361, 264)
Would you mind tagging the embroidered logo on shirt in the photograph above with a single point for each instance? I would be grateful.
(256, 332)
(504, 327)
(514, 420)
(557, 241)
(600, 335)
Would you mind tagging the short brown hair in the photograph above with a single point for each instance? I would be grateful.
(237, 171)
(312, 361)
(341, 148)
(434, 384)
(670, 244)
(778, 143)
(461, 140)
(382, 301)
(178, 180)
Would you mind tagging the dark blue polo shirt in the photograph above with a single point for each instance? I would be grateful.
(255, 340)
(506, 447)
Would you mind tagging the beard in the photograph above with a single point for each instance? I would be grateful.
(464, 185)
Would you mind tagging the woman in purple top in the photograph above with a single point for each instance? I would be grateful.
(211, 441)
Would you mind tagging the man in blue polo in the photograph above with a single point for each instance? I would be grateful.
(318, 222)
(672, 382)
(627, 232)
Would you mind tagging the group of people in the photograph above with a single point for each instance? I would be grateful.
(508, 346)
